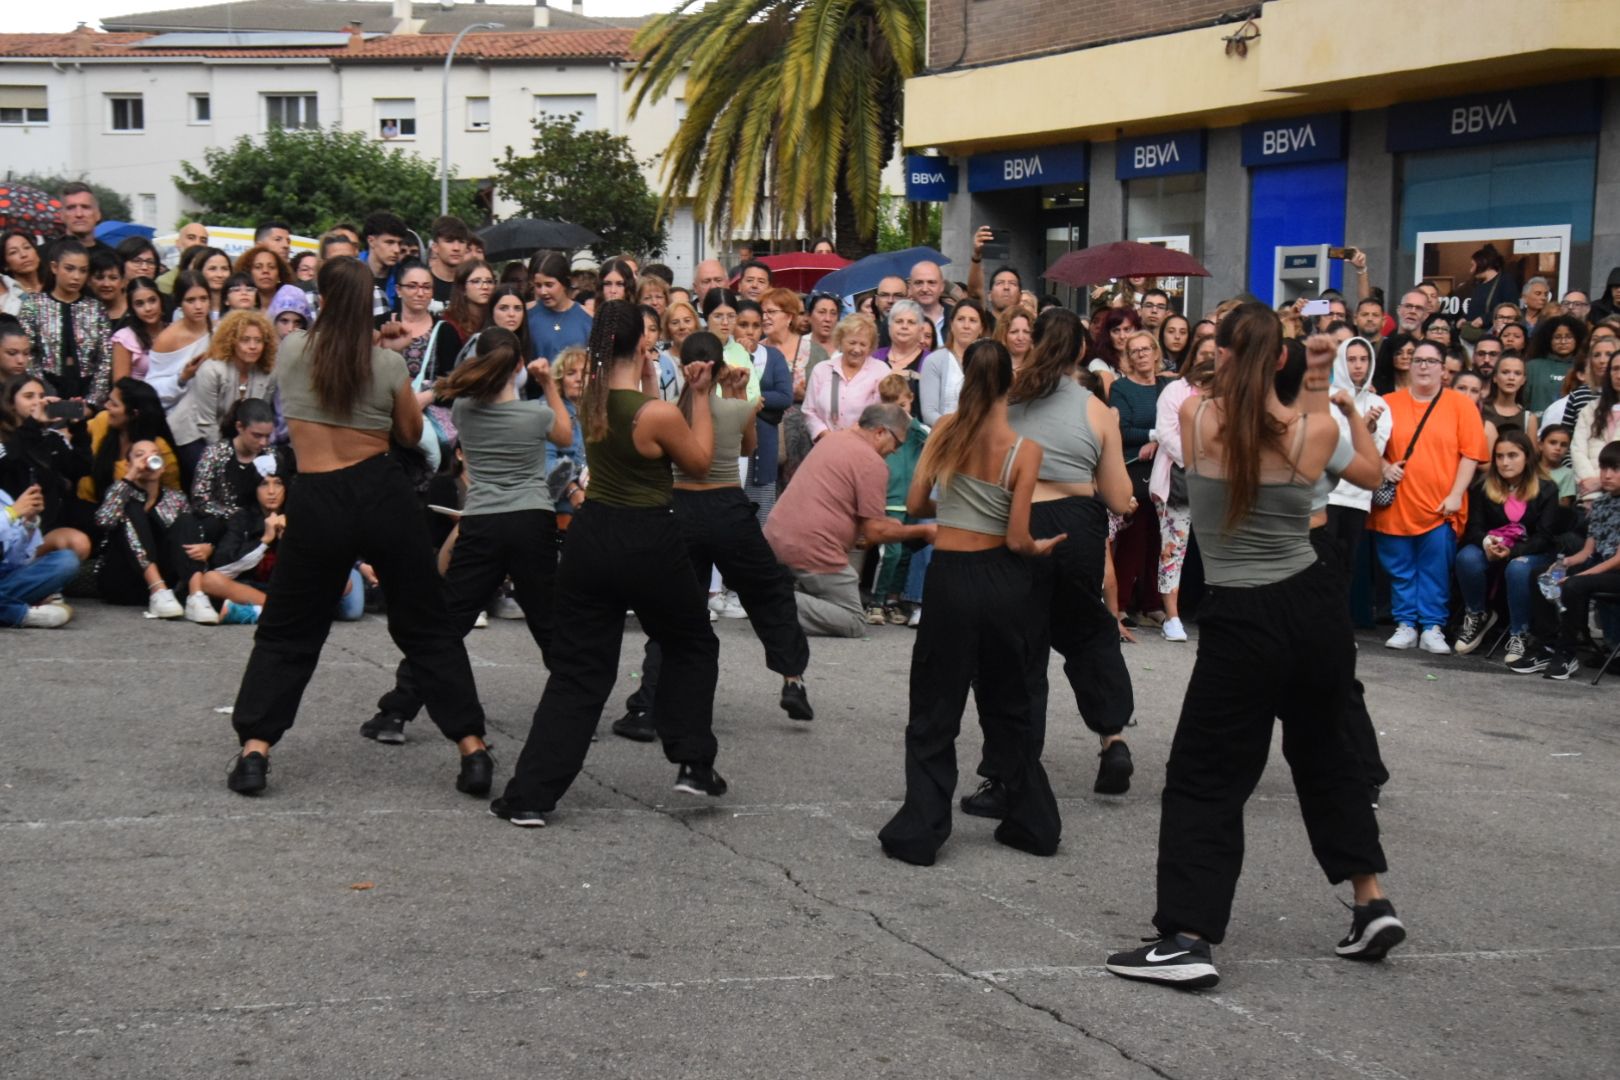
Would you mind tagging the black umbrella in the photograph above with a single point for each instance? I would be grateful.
(520, 238)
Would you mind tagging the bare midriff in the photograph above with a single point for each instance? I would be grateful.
(325, 448)
(952, 539)
(1050, 491)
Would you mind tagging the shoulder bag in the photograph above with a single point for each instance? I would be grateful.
(1385, 494)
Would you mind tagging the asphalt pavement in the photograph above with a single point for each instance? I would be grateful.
(365, 919)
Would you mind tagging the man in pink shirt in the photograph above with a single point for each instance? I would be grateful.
(837, 498)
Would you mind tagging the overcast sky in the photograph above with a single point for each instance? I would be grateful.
(26, 18)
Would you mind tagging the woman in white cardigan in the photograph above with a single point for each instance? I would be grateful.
(1597, 425)
(942, 368)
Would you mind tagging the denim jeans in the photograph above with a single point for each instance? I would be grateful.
(1518, 579)
(33, 581)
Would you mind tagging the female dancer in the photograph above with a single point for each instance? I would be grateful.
(343, 398)
(1273, 607)
(625, 550)
(508, 524)
(1082, 459)
(974, 633)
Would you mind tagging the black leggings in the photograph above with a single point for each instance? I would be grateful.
(1297, 633)
(121, 578)
(616, 558)
(1359, 732)
(974, 634)
(521, 544)
(365, 511)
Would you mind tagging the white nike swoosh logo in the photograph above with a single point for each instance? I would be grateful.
(1154, 957)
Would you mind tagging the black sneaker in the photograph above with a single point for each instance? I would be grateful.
(1535, 663)
(989, 801)
(528, 819)
(248, 772)
(636, 726)
(385, 728)
(477, 773)
(1177, 960)
(796, 702)
(700, 780)
(1475, 625)
(1374, 930)
(1375, 792)
(1114, 769)
(1563, 665)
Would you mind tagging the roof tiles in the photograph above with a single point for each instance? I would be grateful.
(82, 44)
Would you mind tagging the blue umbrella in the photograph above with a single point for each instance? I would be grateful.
(112, 233)
(865, 274)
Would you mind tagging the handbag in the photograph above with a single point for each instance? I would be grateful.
(1178, 486)
(1385, 494)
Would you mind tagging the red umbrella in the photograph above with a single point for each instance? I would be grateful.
(799, 270)
(1122, 259)
(30, 210)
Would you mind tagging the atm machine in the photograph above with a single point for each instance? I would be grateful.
(1301, 270)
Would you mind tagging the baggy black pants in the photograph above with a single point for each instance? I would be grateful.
(722, 530)
(1281, 651)
(489, 548)
(365, 511)
(121, 579)
(1066, 612)
(1358, 725)
(616, 558)
(974, 634)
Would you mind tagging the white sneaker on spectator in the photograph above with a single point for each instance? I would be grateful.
(200, 611)
(47, 617)
(163, 605)
(1518, 645)
(1434, 641)
(1173, 630)
(731, 607)
(1404, 637)
(482, 622)
(916, 616)
(507, 608)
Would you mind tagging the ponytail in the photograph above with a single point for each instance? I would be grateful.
(486, 373)
(987, 374)
(616, 335)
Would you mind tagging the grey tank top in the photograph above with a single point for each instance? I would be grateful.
(373, 408)
(1060, 425)
(731, 418)
(1272, 543)
(975, 505)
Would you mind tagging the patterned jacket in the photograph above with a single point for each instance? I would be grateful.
(41, 316)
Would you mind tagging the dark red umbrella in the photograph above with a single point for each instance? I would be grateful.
(30, 210)
(799, 270)
(1122, 259)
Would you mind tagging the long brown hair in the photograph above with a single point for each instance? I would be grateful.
(339, 344)
(616, 335)
(1060, 342)
(706, 348)
(459, 312)
(1252, 333)
(487, 372)
(1497, 488)
(987, 374)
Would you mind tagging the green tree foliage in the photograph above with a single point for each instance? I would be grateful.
(114, 207)
(903, 224)
(793, 109)
(315, 179)
(590, 178)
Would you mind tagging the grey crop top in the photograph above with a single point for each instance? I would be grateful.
(1272, 543)
(1343, 455)
(730, 416)
(1060, 424)
(373, 406)
(975, 505)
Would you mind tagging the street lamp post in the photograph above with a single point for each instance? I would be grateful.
(444, 112)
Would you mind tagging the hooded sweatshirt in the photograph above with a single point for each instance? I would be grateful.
(290, 298)
(1347, 494)
(1604, 306)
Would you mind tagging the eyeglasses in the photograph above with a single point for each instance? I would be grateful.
(722, 316)
(481, 281)
(1155, 306)
(1414, 307)
(415, 286)
(772, 311)
(147, 260)
(1426, 361)
(1487, 354)
(1144, 351)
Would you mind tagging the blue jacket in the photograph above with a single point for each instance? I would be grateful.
(776, 388)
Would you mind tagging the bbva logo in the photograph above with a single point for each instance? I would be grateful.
(1154, 155)
(1467, 120)
(1021, 168)
(1286, 140)
(923, 179)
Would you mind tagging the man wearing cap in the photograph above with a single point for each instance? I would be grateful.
(837, 501)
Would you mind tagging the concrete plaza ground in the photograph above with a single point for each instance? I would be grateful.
(365, 919)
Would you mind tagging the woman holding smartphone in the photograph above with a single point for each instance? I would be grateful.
(345, 398)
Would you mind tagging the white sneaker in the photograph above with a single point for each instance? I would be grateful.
(1434, 640)
(732, 607)
(1173, 630)
(200, 611)
(916, 616)
(47, 617)
(1404, 637)
(507, 608)
(163, 605)
(714, 616)
(482, 622)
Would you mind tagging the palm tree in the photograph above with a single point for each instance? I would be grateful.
(791, 105)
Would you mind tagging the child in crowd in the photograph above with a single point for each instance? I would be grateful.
(1555, 460)
(895, 571)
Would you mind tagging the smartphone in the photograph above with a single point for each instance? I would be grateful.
(1316, 307)
(1341, 253)
(997, 248)
(68, 412)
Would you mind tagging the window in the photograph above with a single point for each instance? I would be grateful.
(478, 114)
(396, 118)
(146, 209)
(202, 109)
(126, 112)
(559, 106)
(23, 105)
(290, 112)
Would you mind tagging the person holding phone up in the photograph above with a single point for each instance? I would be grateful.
(44, 444)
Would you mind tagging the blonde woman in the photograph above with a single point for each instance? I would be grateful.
(241, 357)
(1016, 330)
(653, 291)
(848, 382)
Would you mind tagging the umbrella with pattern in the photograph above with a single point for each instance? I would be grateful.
(29, 210)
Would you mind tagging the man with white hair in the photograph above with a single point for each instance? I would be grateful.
(710, 274)
(928, 289)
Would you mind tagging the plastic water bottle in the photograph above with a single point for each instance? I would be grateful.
(1551, 581)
